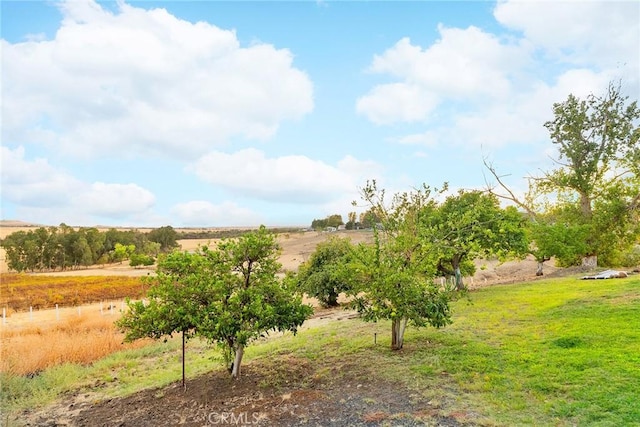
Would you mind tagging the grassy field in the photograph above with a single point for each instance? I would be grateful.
(18, 292)
(30, 349)
(553, 352)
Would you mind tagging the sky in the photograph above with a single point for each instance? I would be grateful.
(221, 114)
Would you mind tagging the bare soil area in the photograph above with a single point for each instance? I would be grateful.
(281, 392)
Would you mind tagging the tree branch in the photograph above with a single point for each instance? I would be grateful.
(511, 196)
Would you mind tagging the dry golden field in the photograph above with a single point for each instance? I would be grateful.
(32, 342)
(81, 332)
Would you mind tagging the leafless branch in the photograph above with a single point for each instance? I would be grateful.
(510, 195)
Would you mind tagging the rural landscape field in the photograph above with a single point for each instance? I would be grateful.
(320, 213)
(521, 351)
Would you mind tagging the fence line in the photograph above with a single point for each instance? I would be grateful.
(56, 314)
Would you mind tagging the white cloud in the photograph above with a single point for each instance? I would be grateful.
(115, 200)
(290, 179)
(203, 213)
(139, 82)
(34, 183)
(49, 195)
(476, 88)
(396, 102)
(585, 32)
(463, 63)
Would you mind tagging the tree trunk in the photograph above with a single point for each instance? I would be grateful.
(539, 269)
(459, 284)
(590, 261)
(398, 327)
(585, 206)
(455, 263)
(235, 373)
(184, 385)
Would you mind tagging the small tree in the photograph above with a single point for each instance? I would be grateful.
(122, 252)
(392, 278)
(472, 224)
(178, 295)
(230, 296)
(321, 275)
(141, 259)
(253, 299)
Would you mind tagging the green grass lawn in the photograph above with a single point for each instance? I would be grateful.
(552, 352)
(555, 352)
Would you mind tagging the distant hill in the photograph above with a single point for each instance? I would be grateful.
(17, 223)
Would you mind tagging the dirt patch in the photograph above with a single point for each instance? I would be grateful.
(287, 394)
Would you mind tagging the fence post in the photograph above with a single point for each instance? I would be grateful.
(31, 313)
(4, 316)
(57, 313)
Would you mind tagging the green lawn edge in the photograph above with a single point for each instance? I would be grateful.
(549, 352)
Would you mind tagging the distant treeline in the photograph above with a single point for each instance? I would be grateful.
(63, 247)
(228, 233)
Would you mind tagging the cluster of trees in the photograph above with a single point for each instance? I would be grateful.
(365, 220)
(231, 295)
(418, 240)
(226, 233)
(587, 209)
(330, 221)
(64, 247)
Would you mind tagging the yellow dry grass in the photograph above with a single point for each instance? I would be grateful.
(84, 339)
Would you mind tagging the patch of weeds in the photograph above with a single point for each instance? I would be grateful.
(568, 342)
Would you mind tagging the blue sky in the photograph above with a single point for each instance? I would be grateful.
(212, 113)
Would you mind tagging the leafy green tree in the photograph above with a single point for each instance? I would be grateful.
(166, 236)
(393, 277)
(321, 275)
(179, 294)
(352, 221)
(335, 220)
(369, 219)
(254, 300)
(556, 234)
(95, 240)
(141, 259)
(330, 221)
(122, 252)
(472, 225)
(598, 171)
(15, 250)
(229, 295)
(598, 144)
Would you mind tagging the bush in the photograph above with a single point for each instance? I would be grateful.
(320, 275)
(140, 259)
(631, 258)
